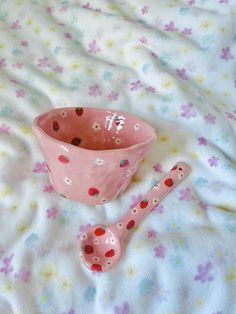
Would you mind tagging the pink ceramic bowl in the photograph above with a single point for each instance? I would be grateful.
(92, 153)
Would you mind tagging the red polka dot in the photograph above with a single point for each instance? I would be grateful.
(96, 267)
(55, 126)
(93, 192)
(88, 249)
(169, 182)
(63, 159)
(110, 253)
(79, 111)
(130, 224)
(99, 232)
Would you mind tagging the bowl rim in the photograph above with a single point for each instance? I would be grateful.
(36, 128)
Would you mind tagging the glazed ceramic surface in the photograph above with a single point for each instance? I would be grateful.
(92, 153)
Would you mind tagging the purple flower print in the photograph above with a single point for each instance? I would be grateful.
(2, 63)
(203, 206)
(52, 213)
(40, 167)
(17, 65)
(23, 275)
(113, 96)
(87, 6)
(170, 27)
(83, 229)
(223, 1)
(159, 209)
(150, 89)
(44, 63)
(186, 195)
(226, 54)
(50, 10)
(160, 251)
(188, 111)
(218, 312)
(157, 167)
(58, 69)
(143, 40)
(187, 31)
(202, 141)
(24, 43)
(182, 74)
(16, 25)
(123, 309)
(48, 189)
(191, 2)
(94, 90)
(210, 119)
(145, 9)
(135, 85)
(4, 129)
(152, 233)
(230, 116)
(204, 272)
(7, 268)
(136, 200)
(93, 47)
(68, 35)
(20, 93)
(71, 311)
(213, 161)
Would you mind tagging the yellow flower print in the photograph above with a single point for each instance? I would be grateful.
(186, 50)
(53, 89)
(66, 284)
(8, 287)
(48, 272)
(37, 30)
(151, 108)
(33, 206)
(194, 155)
(130, 271)
(109, 43)
(200, 302)
(231, 275)
(5, 191)
(200, 79)
(90, 71)
(50, 74)
(47, 43)
(139, 244)
(2, 86)
(113, 7)
(29, 21)
(52, 29)
(121, 52)
(2, 45)
(14, 207)
(75, 65)
(25, 129)
(222, 29)
(19, 2)
(22, 227)
(163, 138)
(174, 150)
(167, 83)
(206, 25)
(135, 64)
(227, 93)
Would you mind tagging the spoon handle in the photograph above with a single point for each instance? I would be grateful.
(151, 199)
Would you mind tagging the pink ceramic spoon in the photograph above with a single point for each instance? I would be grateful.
(101, 246)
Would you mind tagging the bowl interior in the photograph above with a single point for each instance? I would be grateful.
(95, 128)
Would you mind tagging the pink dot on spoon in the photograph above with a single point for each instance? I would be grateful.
(63, 159)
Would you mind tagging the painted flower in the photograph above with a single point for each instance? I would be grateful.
(204, 274)
(202, 141)
(52, 213)
(188, 111)
(159, 251)
(117, 141)
(145, 9)
(181, 73)
(152, 233)
(96, 127)
(134, 211)
(2, 63)
(187, 31)
(67, 181)
(137, 126)
(170, 27)
(186, 195)
(135, 85)
(210, 119)
(99, 162)
(113, 96)
(213, 161)
(226, 54)
(20, 93)
(93, 47)
(23, 275)
(157, 167)
(94, 90)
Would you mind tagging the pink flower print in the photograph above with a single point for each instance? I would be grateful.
(191, 2)
(170, 27)
(226, 54)
(44, 63)
(58, 69)
(50, 9)
(4, 129)
(113, 96)
(7, 268)
(143, 40)
(94, 90)
(83, 229)
(145, 9)
(157, 167)
(24, 43)
(52, 213)
(159, 209)
(204, 272)
(20, 93)
(2, 63)
(17, 65)
(203, 206)
(123, 309)
(152, 233)
(135, 85)
(150, 89)
(23, 275)
(188, 111)
(213, 161)
(159, 251)
(87, 6)
(223, 1)
(71, 311)
(230, 116)
(182, 74)
(48, 189)
(186, 195)
(68, 35)
(40, 167)
(93, 47)
(187, 31)
(202, 141)
(210, 119)
(16, 25)
(135, 200)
